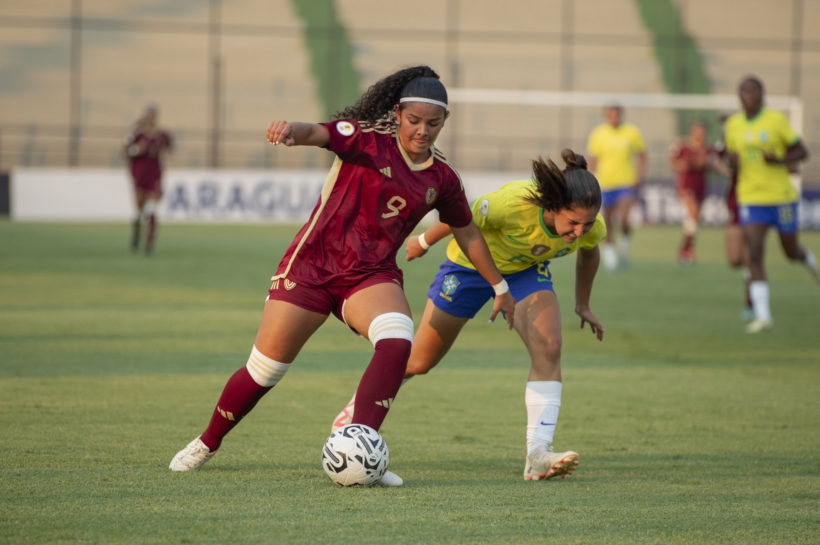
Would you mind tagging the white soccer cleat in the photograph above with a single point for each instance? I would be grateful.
(759, 326)
(192, 457)
(391, 479)
(345, 417)
(543, 463)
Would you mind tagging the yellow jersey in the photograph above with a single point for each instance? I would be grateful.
(758, 182)
(516, 233)
(615, 150)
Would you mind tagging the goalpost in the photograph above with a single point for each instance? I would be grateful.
(791, 105)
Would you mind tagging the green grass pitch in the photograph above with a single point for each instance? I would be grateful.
(689, 430)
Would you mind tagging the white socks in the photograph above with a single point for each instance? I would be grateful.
(623, 246)
(811, 261)
(609, 256)
(543, 399)
(759, 292)
(265, 371)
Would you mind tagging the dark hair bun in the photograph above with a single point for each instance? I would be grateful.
(573, 160)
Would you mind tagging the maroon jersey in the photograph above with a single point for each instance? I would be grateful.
(372, 199)
(144, 149)
(693, 177)
(731, 195)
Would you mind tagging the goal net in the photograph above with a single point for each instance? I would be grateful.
(662, 118)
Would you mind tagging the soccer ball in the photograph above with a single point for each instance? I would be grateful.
(355, 455)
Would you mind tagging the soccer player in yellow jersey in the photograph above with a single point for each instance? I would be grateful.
(618, 158)
(526, 224)
(762, 145)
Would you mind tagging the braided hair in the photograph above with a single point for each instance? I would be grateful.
(378, 101)
(558, 190)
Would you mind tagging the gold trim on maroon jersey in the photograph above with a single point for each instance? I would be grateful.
(327, 189)
(440, 156)
(410, 164)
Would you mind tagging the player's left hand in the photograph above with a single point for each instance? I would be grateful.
(506, 304)
(594, 324)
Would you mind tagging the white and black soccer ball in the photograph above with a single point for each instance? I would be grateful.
(355, 455)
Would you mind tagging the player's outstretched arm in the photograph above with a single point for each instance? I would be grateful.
(298, 134)
(475, 248)
(586, 266)
(417, 246)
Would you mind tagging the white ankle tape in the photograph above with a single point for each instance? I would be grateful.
(690, 226)
(265, 371)
(393, 325)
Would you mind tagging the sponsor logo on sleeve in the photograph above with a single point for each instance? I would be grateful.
(345, 128)
(484, 207)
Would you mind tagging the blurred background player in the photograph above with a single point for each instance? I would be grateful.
(145, 148)
(737, 251)
(526, 224)
(761, 143)
(691, 158)
(386, 177)
(618, 158)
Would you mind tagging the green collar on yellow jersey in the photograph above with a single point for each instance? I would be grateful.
(756, 117)
(544, 225)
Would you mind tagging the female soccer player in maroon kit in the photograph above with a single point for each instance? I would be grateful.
(386, 177)
(691, 159)
(145, 148)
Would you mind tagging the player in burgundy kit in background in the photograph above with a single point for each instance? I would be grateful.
(691, 158)
(737, 252)
(145, 148)
(386, 177)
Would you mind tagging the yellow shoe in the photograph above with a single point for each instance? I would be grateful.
(543, 463)
(759, 326)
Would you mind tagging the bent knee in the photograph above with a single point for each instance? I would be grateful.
(548, 348)
(419, 366)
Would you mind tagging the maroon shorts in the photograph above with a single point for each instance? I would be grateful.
(329, 298)
(147, 176)
(696, 188)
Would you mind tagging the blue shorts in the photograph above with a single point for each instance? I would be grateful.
(611, 198)
(462, 292)
(783, 216)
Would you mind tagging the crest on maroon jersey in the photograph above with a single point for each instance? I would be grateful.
(432, 193)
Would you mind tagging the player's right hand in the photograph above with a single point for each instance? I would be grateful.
(414, 249)
(506, 304)
(281, 132)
